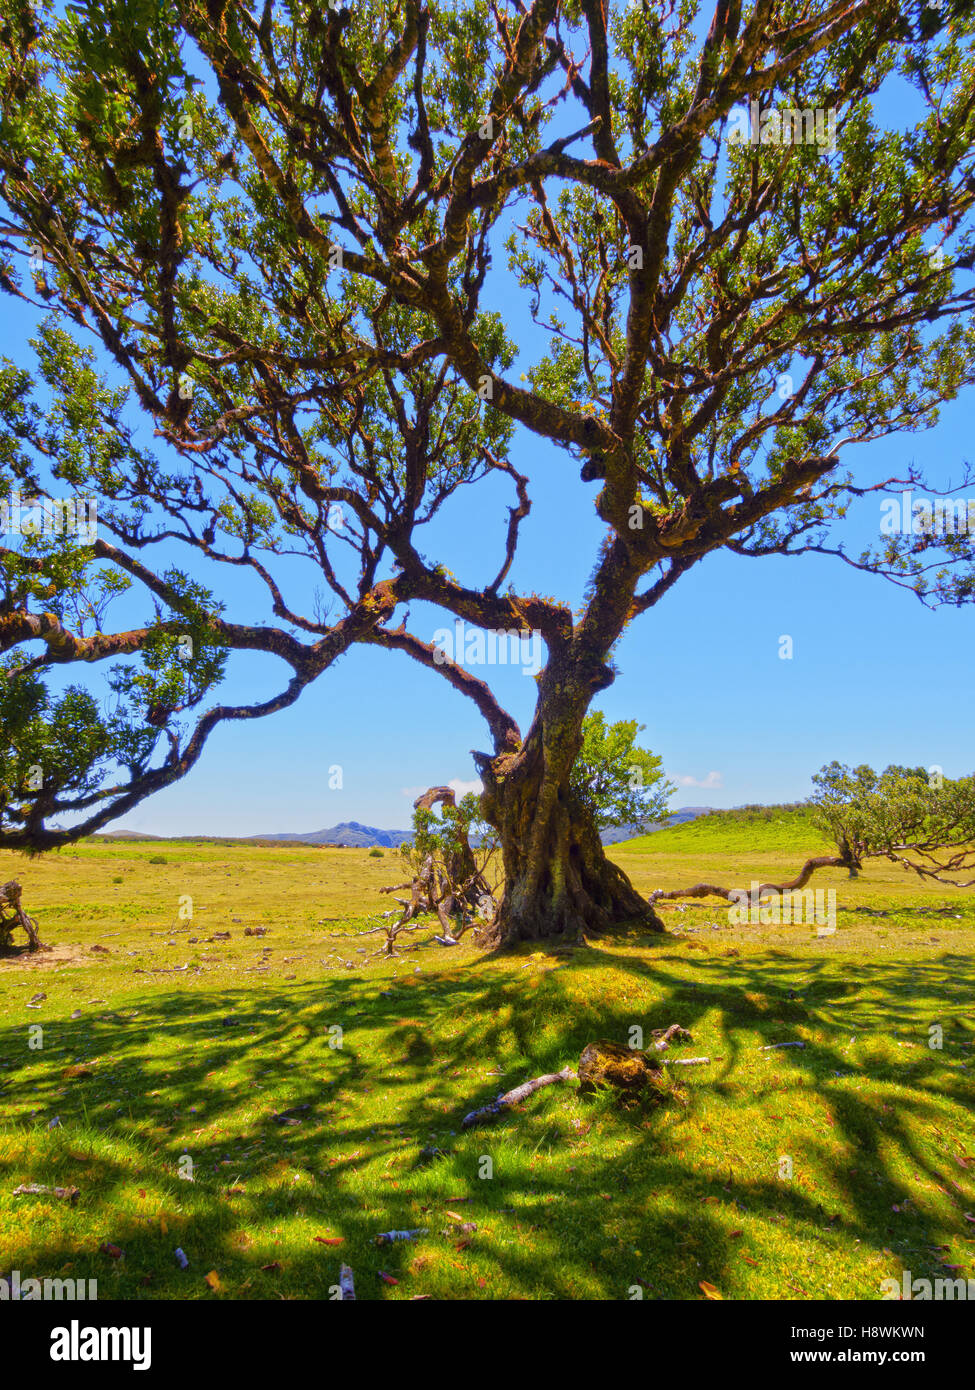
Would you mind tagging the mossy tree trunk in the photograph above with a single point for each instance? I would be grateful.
(559, 883)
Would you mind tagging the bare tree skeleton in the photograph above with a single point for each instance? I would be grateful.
(453, 887)
(12, 915)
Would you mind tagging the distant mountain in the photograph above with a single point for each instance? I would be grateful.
(630, 832)
(349, 833)
(352, 834)
(123, 835)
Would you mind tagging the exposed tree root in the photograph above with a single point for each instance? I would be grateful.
(713, 890)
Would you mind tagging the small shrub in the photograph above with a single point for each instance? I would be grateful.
(118, 879)
(375, 854)
(158, 859)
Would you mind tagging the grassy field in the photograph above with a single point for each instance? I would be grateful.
(792, 1173)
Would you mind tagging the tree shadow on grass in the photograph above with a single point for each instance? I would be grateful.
(330, 1137)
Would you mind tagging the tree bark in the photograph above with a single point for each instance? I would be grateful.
(558, 882)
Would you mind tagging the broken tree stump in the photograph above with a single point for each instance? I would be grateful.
(628, 1070)
(13, 915)
(606, 1063)
(632, 1074)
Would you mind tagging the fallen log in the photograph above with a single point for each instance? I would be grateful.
(714, 890)
(488, 1113)
(36, 1189)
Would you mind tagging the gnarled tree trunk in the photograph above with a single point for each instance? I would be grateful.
(558, 882)
(558, 879)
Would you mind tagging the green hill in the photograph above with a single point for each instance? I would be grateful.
(744, 830)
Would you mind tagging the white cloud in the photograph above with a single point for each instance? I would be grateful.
(712, 782)
(462, 788)
(459, 787)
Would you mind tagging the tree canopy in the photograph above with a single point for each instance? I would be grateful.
(267, 243)
(912, 816)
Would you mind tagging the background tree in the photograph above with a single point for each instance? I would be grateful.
(618, 782)
(277, 227)
(912, 816)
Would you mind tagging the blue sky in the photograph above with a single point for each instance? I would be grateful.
(874, 677)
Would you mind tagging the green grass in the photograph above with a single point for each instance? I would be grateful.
(737, 833)
(584, 1201)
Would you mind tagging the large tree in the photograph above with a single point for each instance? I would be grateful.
(275, 230)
